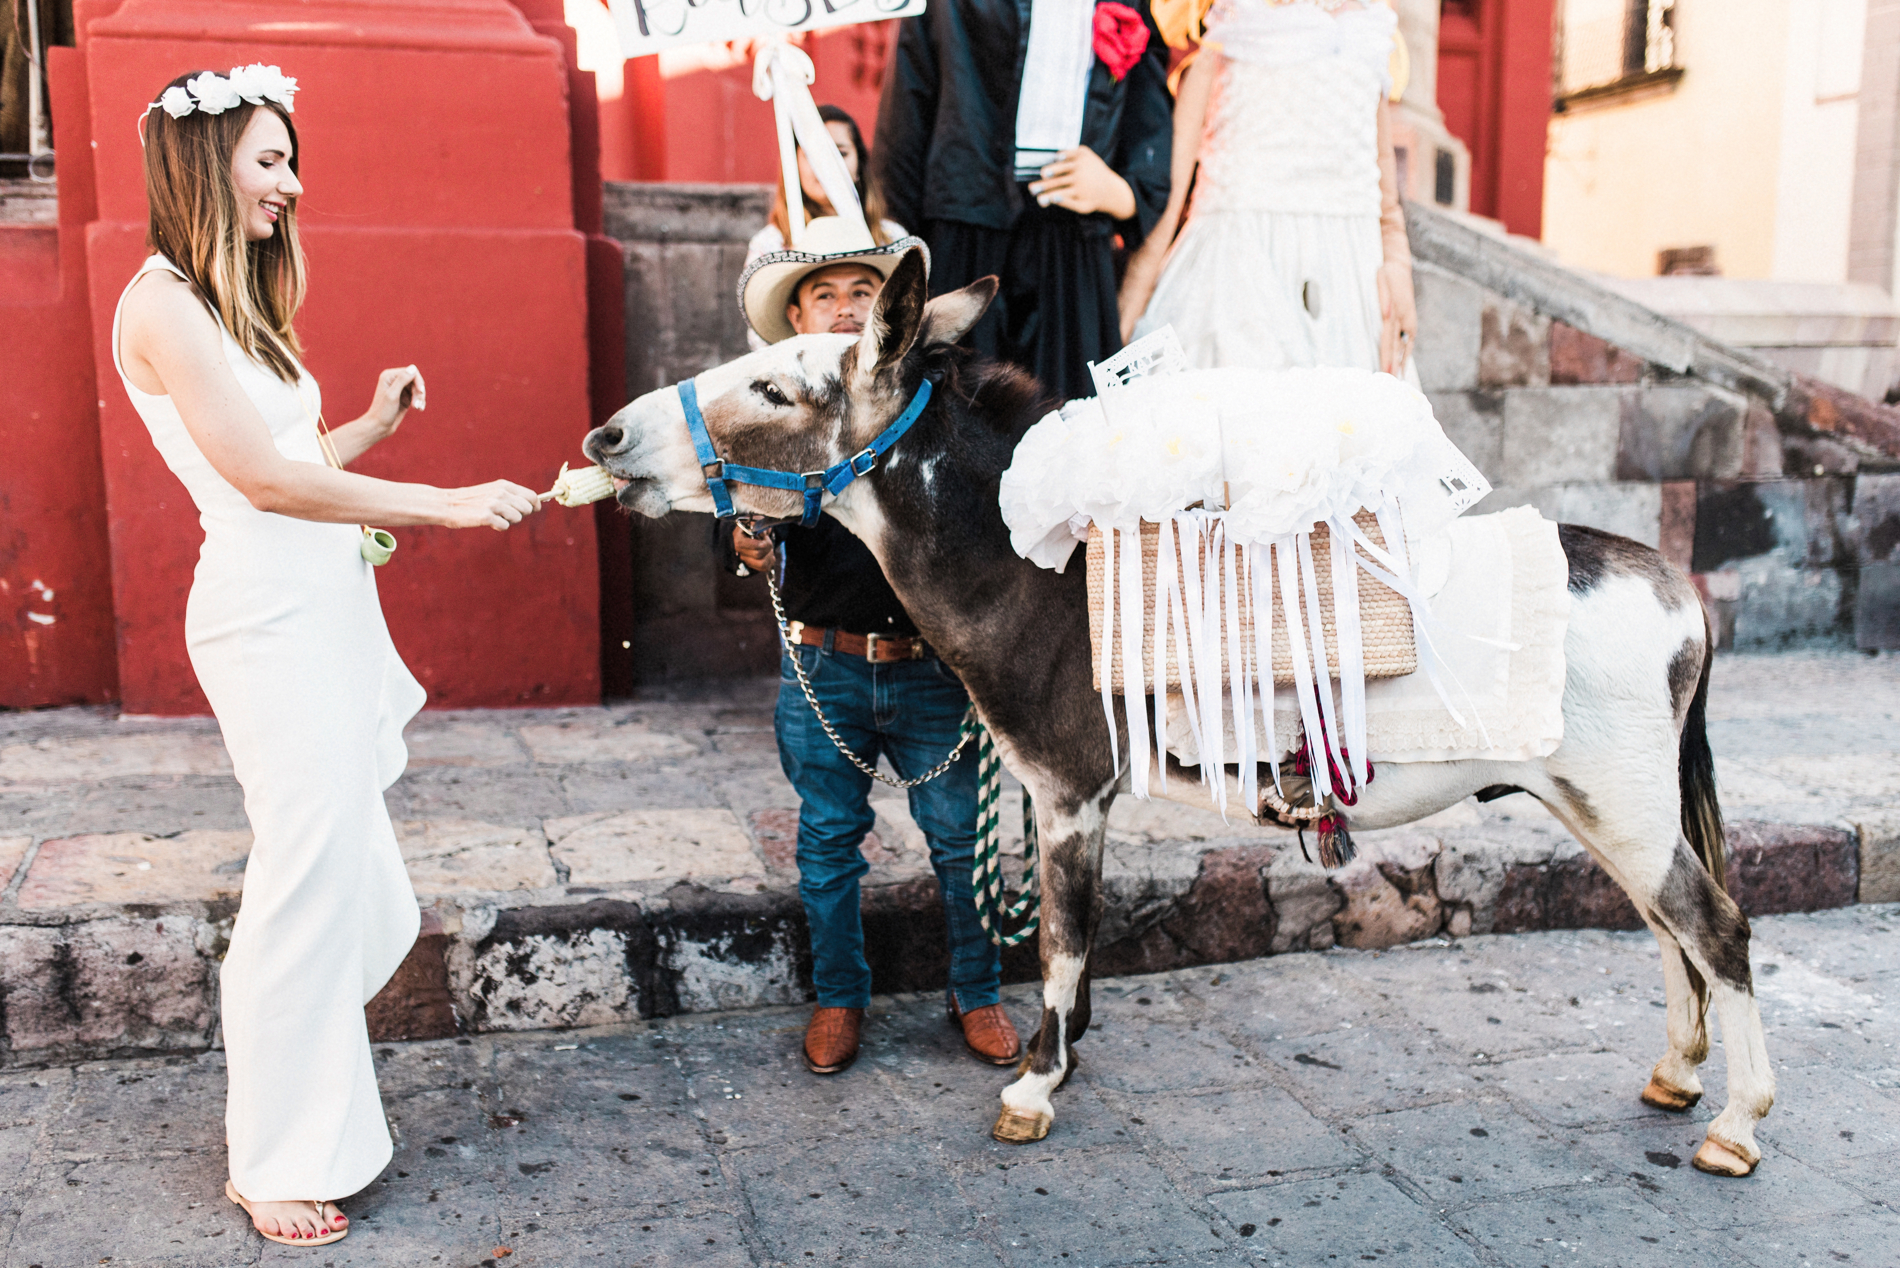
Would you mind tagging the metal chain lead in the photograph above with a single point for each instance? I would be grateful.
(804, 684)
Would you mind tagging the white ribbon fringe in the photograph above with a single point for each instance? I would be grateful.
(1197, 607)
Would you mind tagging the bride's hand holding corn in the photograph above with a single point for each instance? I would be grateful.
(497, 505)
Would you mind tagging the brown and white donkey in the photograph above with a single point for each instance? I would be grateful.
(1633, 778)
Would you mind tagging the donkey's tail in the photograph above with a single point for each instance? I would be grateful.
(1701, 812)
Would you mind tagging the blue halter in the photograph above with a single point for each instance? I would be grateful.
(813, 484)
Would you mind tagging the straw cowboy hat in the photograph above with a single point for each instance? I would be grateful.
(768, 283)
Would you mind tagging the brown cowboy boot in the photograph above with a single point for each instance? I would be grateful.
(831, 1039)
(988, 1033)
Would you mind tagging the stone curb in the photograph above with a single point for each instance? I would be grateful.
(108, 980)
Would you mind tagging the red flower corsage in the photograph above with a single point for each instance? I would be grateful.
(1121, 37)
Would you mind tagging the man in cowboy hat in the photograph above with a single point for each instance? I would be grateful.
(879, 685)
(827, 286)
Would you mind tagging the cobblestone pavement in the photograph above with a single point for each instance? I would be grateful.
(1470, 1102)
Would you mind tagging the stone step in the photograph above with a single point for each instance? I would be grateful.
(109, 942)
(585, 866)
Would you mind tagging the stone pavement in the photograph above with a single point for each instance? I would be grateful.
(589, 866)
(1444, 1103)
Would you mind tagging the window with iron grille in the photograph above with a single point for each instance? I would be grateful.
(27, 29)
(1610, 47)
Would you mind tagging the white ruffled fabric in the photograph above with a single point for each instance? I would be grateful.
(1292, 447)
(1282, 452)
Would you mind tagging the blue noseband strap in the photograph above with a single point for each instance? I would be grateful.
(813, 484)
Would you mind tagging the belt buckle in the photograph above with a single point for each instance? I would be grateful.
(870, 647)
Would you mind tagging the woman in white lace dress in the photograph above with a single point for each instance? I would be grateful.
(1294, 252)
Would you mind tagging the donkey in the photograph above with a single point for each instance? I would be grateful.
(1633, 778)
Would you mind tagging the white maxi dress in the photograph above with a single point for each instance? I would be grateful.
(1277, 265)
(287, 638)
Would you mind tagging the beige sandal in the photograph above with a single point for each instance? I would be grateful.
(334, 1235)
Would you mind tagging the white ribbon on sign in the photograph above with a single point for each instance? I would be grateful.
(783, 75)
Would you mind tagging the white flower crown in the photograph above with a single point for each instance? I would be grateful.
(214, 93)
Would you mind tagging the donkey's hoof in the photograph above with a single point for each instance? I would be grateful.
(1719, 1159)
(1660, 1095)
(1013, 1127)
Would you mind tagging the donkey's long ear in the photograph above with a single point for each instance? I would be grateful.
(948, 318)
(896, 317)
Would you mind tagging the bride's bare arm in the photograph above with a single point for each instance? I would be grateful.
(1144, 267)
(168, 336)
(1398, 308)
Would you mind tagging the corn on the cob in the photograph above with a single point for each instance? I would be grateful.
(578, 488)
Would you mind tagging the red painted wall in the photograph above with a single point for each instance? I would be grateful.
(705, 125)
(607, 343)
(440, 225)
(1494, 89)
(56, 628)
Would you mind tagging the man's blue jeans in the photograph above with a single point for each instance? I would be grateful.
(909, 711)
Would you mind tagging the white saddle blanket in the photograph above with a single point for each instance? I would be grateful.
(1497, 578)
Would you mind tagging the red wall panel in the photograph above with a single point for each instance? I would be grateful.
(705, 125)
(1494, 88)
(56, 627)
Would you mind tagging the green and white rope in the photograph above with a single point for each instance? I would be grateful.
(986, 877)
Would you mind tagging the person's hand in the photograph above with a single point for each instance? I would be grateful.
(754, 552)
(1081, 182)
(497, 505)
(1398, 316)
(397, 392)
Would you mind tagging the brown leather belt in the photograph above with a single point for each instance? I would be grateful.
(879, 649)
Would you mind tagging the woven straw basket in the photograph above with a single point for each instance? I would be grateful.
(1384, 615)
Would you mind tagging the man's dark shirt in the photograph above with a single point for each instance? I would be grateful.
(831, 579)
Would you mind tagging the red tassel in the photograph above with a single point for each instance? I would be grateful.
(1335, 843)
(1302, 764)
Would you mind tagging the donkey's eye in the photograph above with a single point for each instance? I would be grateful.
(771, 392)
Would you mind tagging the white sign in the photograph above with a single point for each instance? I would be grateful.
(647, 26)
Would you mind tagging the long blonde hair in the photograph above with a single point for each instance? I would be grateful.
(255, 288)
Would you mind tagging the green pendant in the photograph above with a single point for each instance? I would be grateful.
(378, 545)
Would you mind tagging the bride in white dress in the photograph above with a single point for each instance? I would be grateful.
(286, 636)
(1294, 252)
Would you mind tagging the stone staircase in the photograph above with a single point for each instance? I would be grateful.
(1778, 492)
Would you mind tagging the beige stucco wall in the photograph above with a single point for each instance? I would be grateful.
(1815, 184)
(1701, 164)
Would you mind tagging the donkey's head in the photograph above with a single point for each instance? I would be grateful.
(800, 405)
